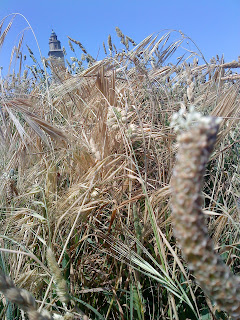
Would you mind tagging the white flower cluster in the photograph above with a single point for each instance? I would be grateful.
(132, 130)
(116, 116)
(183, 120)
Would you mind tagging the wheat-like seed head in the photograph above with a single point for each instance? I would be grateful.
(22, 298)
(60, 282)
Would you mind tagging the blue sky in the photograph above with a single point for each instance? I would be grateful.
(214, 24)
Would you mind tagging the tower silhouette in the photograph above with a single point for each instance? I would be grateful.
(55, 53)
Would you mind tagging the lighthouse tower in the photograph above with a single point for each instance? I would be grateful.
(55, 53)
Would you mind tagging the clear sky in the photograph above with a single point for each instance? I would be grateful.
(213, 24)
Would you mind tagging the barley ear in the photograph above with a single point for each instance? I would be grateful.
(22, 298)
(60, 282)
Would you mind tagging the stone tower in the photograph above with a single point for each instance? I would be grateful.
(55, 53)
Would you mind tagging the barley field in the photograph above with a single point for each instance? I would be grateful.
(95, 221)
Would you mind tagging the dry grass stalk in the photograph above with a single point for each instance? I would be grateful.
(5, 32)
(233, 64)
(115, 115)
(195, 147)
(231, 77)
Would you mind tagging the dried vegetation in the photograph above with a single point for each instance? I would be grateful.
(86, 164)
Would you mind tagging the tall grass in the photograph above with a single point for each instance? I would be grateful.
(86, 164)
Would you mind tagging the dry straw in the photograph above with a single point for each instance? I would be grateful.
(107, 144)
